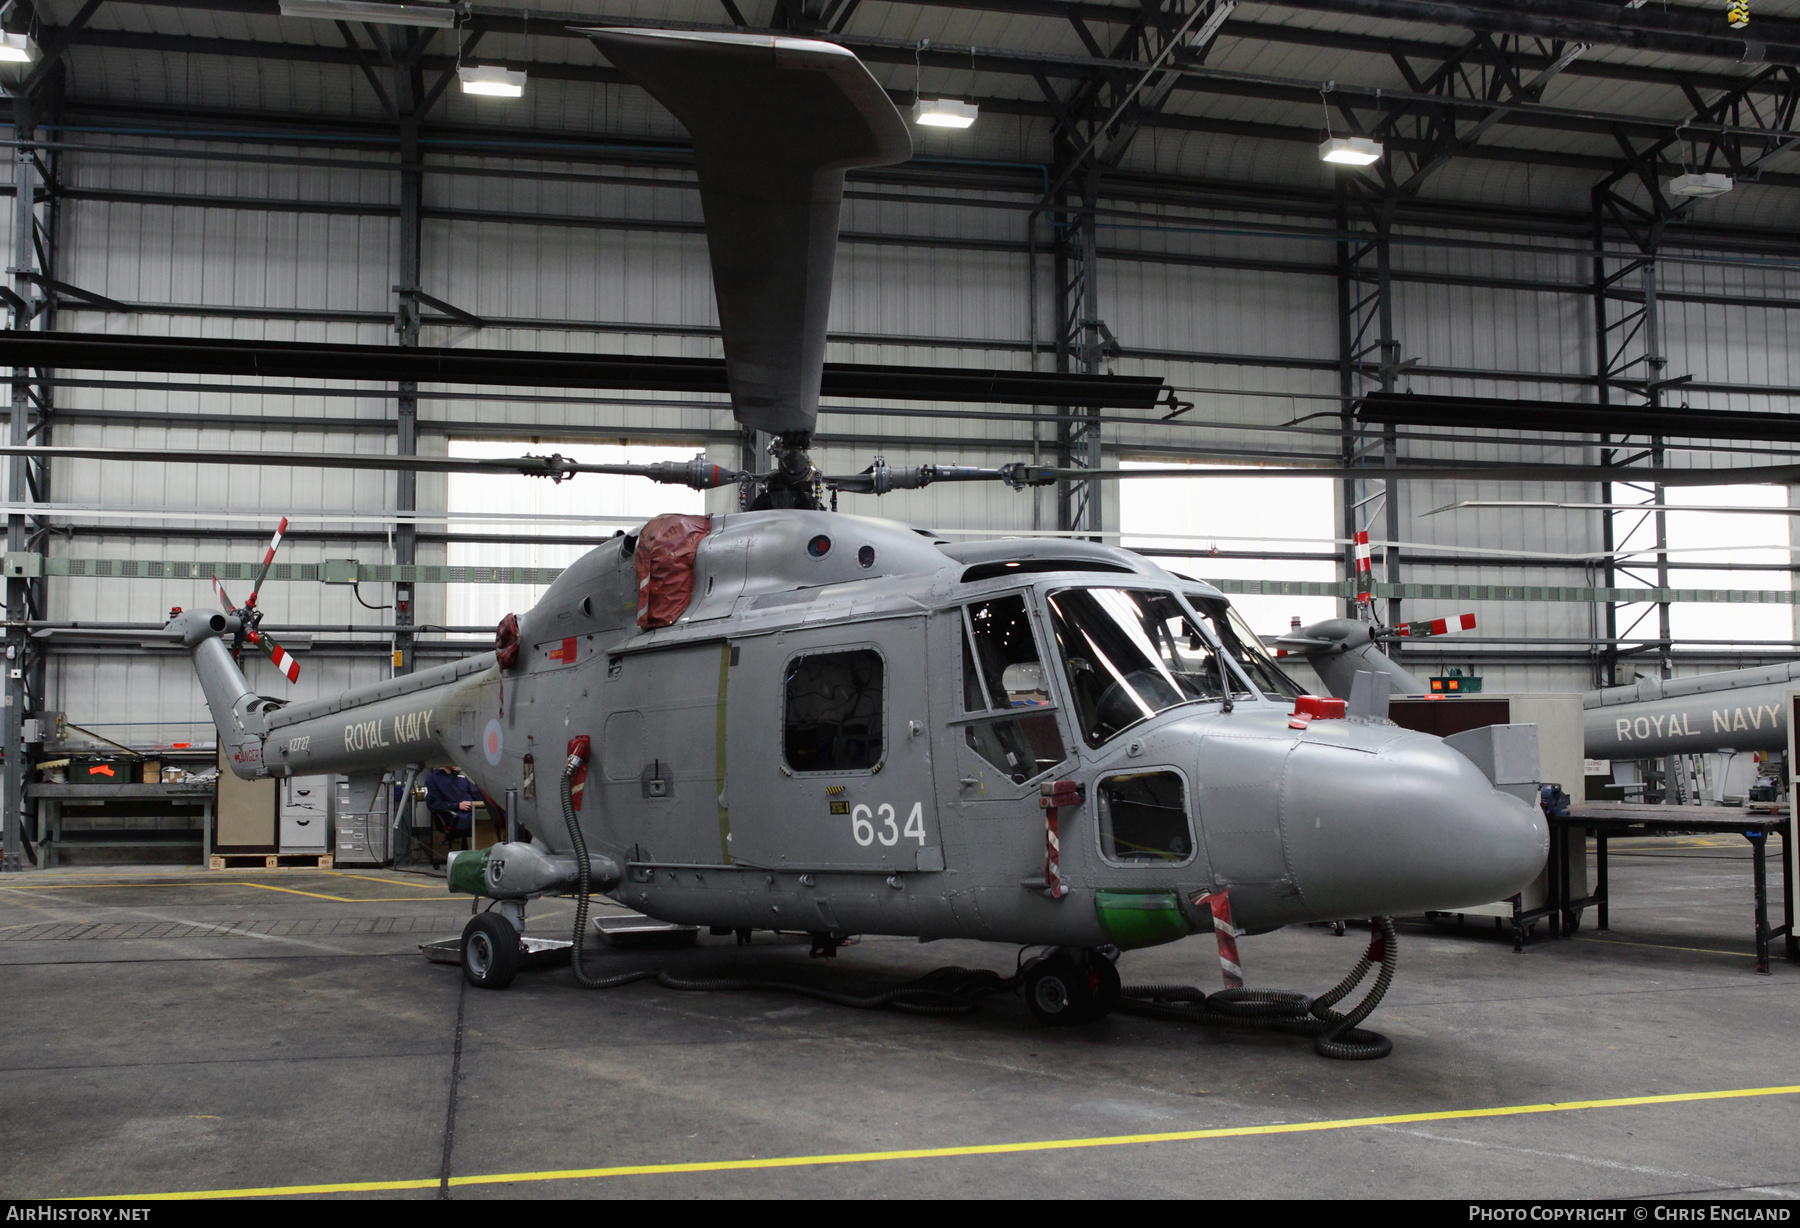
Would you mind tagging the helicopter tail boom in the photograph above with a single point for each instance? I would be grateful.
(412, 719)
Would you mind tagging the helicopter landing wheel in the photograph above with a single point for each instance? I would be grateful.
(1059, 992)
(490, 951)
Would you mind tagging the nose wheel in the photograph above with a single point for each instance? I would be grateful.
(490, 951)
(1062, 989)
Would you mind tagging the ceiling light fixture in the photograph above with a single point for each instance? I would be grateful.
(945, 113)
(492, 81)
(436, 16)
(1350, 150)
(1701, 185)
(17, 49)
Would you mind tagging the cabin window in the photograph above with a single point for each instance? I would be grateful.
(832, 713)
(1144, 819)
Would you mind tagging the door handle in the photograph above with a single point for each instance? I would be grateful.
(969, 782)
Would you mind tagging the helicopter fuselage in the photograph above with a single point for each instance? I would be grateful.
(850, 726)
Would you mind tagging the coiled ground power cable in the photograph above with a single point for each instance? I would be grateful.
(1334, 1035)
(945, 991)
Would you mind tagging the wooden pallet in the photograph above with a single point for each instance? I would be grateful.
(269, 861)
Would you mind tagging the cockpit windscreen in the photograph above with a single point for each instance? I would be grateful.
(1245, 647)
(1128, 655)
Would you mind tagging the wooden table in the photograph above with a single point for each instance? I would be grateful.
(50, 799)
(1604, 820)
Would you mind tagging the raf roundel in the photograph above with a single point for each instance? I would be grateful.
(491, 742)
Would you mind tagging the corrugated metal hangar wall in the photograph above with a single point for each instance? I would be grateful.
(249, 232)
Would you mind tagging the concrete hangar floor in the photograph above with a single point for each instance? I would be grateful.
(278, 1033)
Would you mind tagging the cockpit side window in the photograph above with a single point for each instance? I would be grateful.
(1003, 672)
(1005, 654)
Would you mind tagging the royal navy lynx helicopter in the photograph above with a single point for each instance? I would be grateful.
(791, 719)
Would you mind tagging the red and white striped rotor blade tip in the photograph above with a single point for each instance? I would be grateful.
(283, 659)
(219, 591)
(1439, 626)
(268, 559)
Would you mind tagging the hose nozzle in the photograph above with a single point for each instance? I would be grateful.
(578, 753)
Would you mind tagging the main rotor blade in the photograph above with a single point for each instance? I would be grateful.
(555, 467)
(775, 121)
(545, 466)
(268, 558)
(1018, 475)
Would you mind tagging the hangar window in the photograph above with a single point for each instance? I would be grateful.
(832, 713)
(1233, 529)
(1144, 819)
(1751, 551)
(524, 517)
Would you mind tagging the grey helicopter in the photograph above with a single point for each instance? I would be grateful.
(787, 718)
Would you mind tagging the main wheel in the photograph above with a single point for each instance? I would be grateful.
(490, 951)
(1056, 990)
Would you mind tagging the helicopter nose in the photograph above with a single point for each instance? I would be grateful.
(1403, 824)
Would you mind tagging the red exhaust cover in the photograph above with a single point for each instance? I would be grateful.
(665, 567)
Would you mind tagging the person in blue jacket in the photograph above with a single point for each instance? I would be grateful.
(451, 798)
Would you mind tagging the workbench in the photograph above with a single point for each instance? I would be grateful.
(1607, 820)
(167, 799)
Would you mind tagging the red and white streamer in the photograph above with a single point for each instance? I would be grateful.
(1055, 796)
(1364, 573)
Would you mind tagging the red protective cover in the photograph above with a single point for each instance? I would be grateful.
(665, 567)
(1317, 707)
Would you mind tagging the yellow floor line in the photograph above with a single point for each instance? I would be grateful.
(1660, 946)
(336, 899)
(979, 1149)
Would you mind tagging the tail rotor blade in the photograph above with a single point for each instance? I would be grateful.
(268, 558)
(1437, 626)
(283, 659)
(219, 591)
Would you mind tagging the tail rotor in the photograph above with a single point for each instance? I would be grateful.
(249, 616)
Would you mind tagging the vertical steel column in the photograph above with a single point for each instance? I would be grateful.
(1606, 657)
(12, 816)
(1390, 369)
(1346, 309)
(1078, 349)
(406, 440)
(1654, 368)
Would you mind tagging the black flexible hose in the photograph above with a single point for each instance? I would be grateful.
(1334, 1035)
(945, 991)
(582, 885)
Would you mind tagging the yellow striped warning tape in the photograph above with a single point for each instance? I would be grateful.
(942, 1153)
